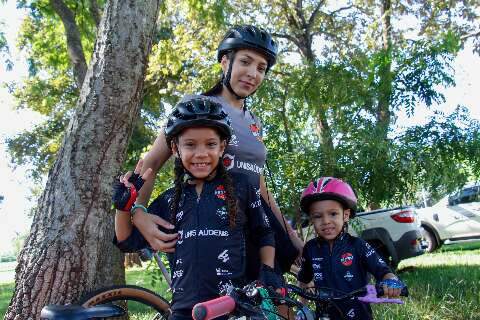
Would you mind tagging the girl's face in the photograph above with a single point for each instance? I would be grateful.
(328, 217)
(200, 150)
(248, 71)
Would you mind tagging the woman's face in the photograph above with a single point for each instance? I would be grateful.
(200, 150)
(248, 71)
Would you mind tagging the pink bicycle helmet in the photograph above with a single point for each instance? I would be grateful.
(328, 188)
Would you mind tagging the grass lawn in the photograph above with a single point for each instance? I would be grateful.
(444, 285)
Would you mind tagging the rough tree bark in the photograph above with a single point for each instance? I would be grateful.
(69, 250)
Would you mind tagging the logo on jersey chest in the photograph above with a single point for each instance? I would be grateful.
(222, 213)
(233, 141)
(348, 276)
(346, 259)
(228, 161)
(220, 192)
(255, 131)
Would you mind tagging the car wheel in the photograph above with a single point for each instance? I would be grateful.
(383, 252)
(432, 243)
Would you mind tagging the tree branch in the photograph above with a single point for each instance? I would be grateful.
(74, 43)
(312, 18)
(299, 11)
(95, 11)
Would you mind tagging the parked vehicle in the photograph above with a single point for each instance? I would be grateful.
(455, 217)
(395, 233)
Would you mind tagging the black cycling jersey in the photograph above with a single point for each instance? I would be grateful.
(209, 255)
(345, 268)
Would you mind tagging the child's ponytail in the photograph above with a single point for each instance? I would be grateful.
(230, 193)
(179, 175)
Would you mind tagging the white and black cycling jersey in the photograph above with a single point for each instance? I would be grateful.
(209, 255)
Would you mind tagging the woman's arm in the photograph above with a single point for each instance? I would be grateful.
(270, 200)
(147, 223)
(267, 255)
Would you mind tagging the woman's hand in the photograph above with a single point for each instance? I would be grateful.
(150, 227)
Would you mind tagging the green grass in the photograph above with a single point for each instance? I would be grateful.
(6, 290)
(444, 285)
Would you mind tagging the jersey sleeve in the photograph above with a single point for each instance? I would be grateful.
(372, 260)
(136, 241)
(258, 223)
(305, 274)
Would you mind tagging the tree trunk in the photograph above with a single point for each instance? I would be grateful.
(69, 250)
(326, 144)
(383, 114)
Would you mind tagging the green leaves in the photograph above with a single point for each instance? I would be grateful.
(328, 109)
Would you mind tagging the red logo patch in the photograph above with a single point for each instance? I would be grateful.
(346, 259)
(220, 192)
(255, 131)
(228, 161)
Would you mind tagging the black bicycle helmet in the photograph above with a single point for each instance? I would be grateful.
(194, 113)
(249, 37)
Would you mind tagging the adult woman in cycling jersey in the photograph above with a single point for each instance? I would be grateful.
(246, 54)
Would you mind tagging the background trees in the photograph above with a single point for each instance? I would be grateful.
(346, 71)
(330, 107)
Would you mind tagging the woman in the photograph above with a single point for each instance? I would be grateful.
(246, 54)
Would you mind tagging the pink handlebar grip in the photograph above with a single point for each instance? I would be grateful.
(213, 308)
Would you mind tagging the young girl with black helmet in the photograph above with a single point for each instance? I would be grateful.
(212, 212)
(246, 54)
(335, 259)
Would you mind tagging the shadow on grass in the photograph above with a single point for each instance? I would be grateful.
(438, 292)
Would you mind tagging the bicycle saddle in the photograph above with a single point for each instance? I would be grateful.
(76, 312)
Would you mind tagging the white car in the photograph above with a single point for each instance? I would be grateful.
(455, 217)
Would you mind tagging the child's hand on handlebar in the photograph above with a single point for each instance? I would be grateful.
(392, 287)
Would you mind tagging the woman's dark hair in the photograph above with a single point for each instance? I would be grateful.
(180, 174)
(218, 87)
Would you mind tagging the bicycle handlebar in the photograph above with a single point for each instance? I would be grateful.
(368, 294)
(213, 308)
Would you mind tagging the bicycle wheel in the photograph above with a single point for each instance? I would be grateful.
(141, 303)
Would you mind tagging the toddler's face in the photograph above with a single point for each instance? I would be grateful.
(328, 217)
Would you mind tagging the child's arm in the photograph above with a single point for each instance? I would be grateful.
(127, 237)
(376, 266)
(123, 225)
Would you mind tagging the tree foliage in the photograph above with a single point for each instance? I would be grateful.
(329, 107)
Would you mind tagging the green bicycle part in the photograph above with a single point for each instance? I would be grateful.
(267, 305)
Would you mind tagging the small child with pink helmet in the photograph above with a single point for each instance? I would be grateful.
(334, 258)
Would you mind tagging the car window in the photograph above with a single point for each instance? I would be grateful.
(469, 195)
